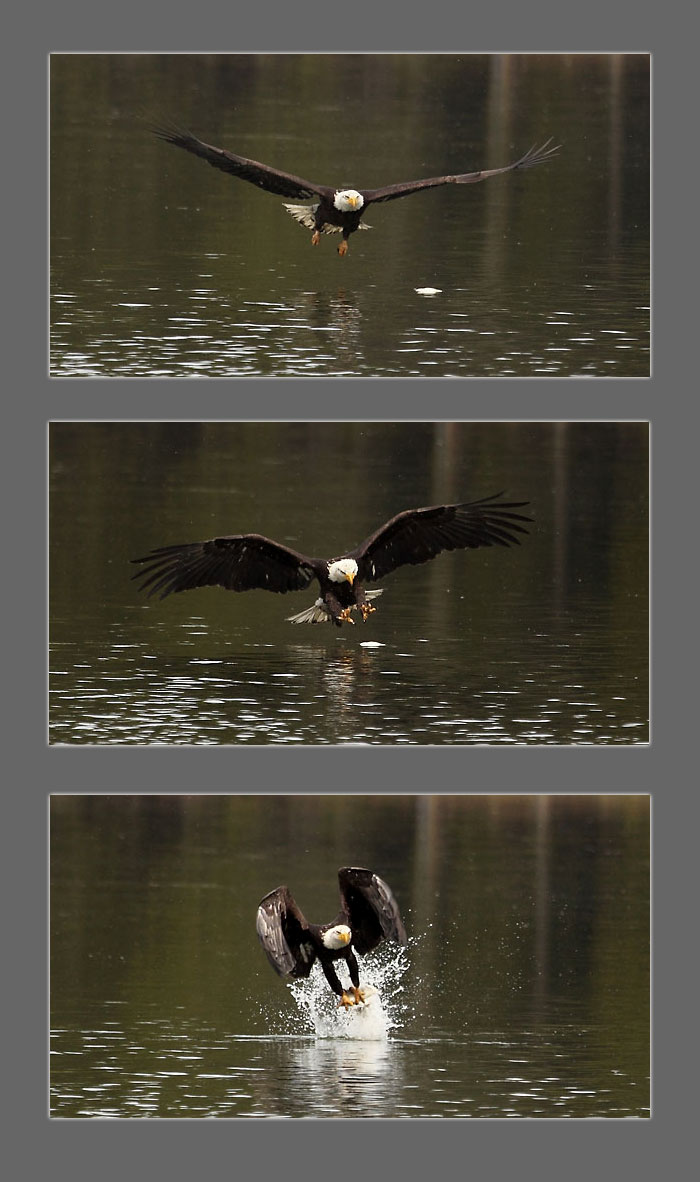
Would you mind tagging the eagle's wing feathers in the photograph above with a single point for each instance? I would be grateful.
(371, 909)
(391, 192)
(284, 934)
(240, 562)
(417, 535)
(271, 179)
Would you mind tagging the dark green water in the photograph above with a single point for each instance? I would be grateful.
(161, 266)
(546, 642)
(524, 990)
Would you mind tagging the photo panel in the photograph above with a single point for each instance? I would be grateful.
(500, 945)
(507, 605)
(163, 266)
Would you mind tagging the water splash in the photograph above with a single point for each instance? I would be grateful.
(385, 1009)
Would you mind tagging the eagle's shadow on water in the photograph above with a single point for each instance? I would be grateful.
(341, 677)
(337, 1075)
(339, 314)
(337, 672)
(330, 1078)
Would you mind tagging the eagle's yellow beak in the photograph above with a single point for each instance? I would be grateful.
(352, 201)
(350, 577)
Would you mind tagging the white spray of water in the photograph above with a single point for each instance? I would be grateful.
(381, 977)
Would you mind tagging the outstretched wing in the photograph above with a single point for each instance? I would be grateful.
(241, 562)
(270, 179)
(417, 535)
(284, 934)
(371, 909)
(529, 160)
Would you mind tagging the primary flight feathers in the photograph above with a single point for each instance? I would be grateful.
(243, 562)
(338, 209)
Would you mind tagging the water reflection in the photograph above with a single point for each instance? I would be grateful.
(181, 272)
(341, 1078)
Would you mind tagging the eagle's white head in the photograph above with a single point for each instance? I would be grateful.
(348, 200)
(337, 937)
(342, 570)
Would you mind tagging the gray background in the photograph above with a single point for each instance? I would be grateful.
(485, 1149)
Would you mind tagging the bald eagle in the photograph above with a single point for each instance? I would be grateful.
(336, 210)
(241, 562)
(369, 914)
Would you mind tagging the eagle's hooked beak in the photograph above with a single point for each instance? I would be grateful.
(350, 577)
(352, 201)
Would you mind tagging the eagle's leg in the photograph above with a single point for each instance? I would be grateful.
(343, 248)
(346, 999)
(353, 968)
(339, 614)
(315, 237)
(363, 604)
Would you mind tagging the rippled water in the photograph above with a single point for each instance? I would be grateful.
(162, 267)
(193, 1072)
(210, 332)
(338, 691)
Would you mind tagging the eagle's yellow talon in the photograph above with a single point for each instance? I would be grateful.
(366, 609)
(355, 999)
(315, 238)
